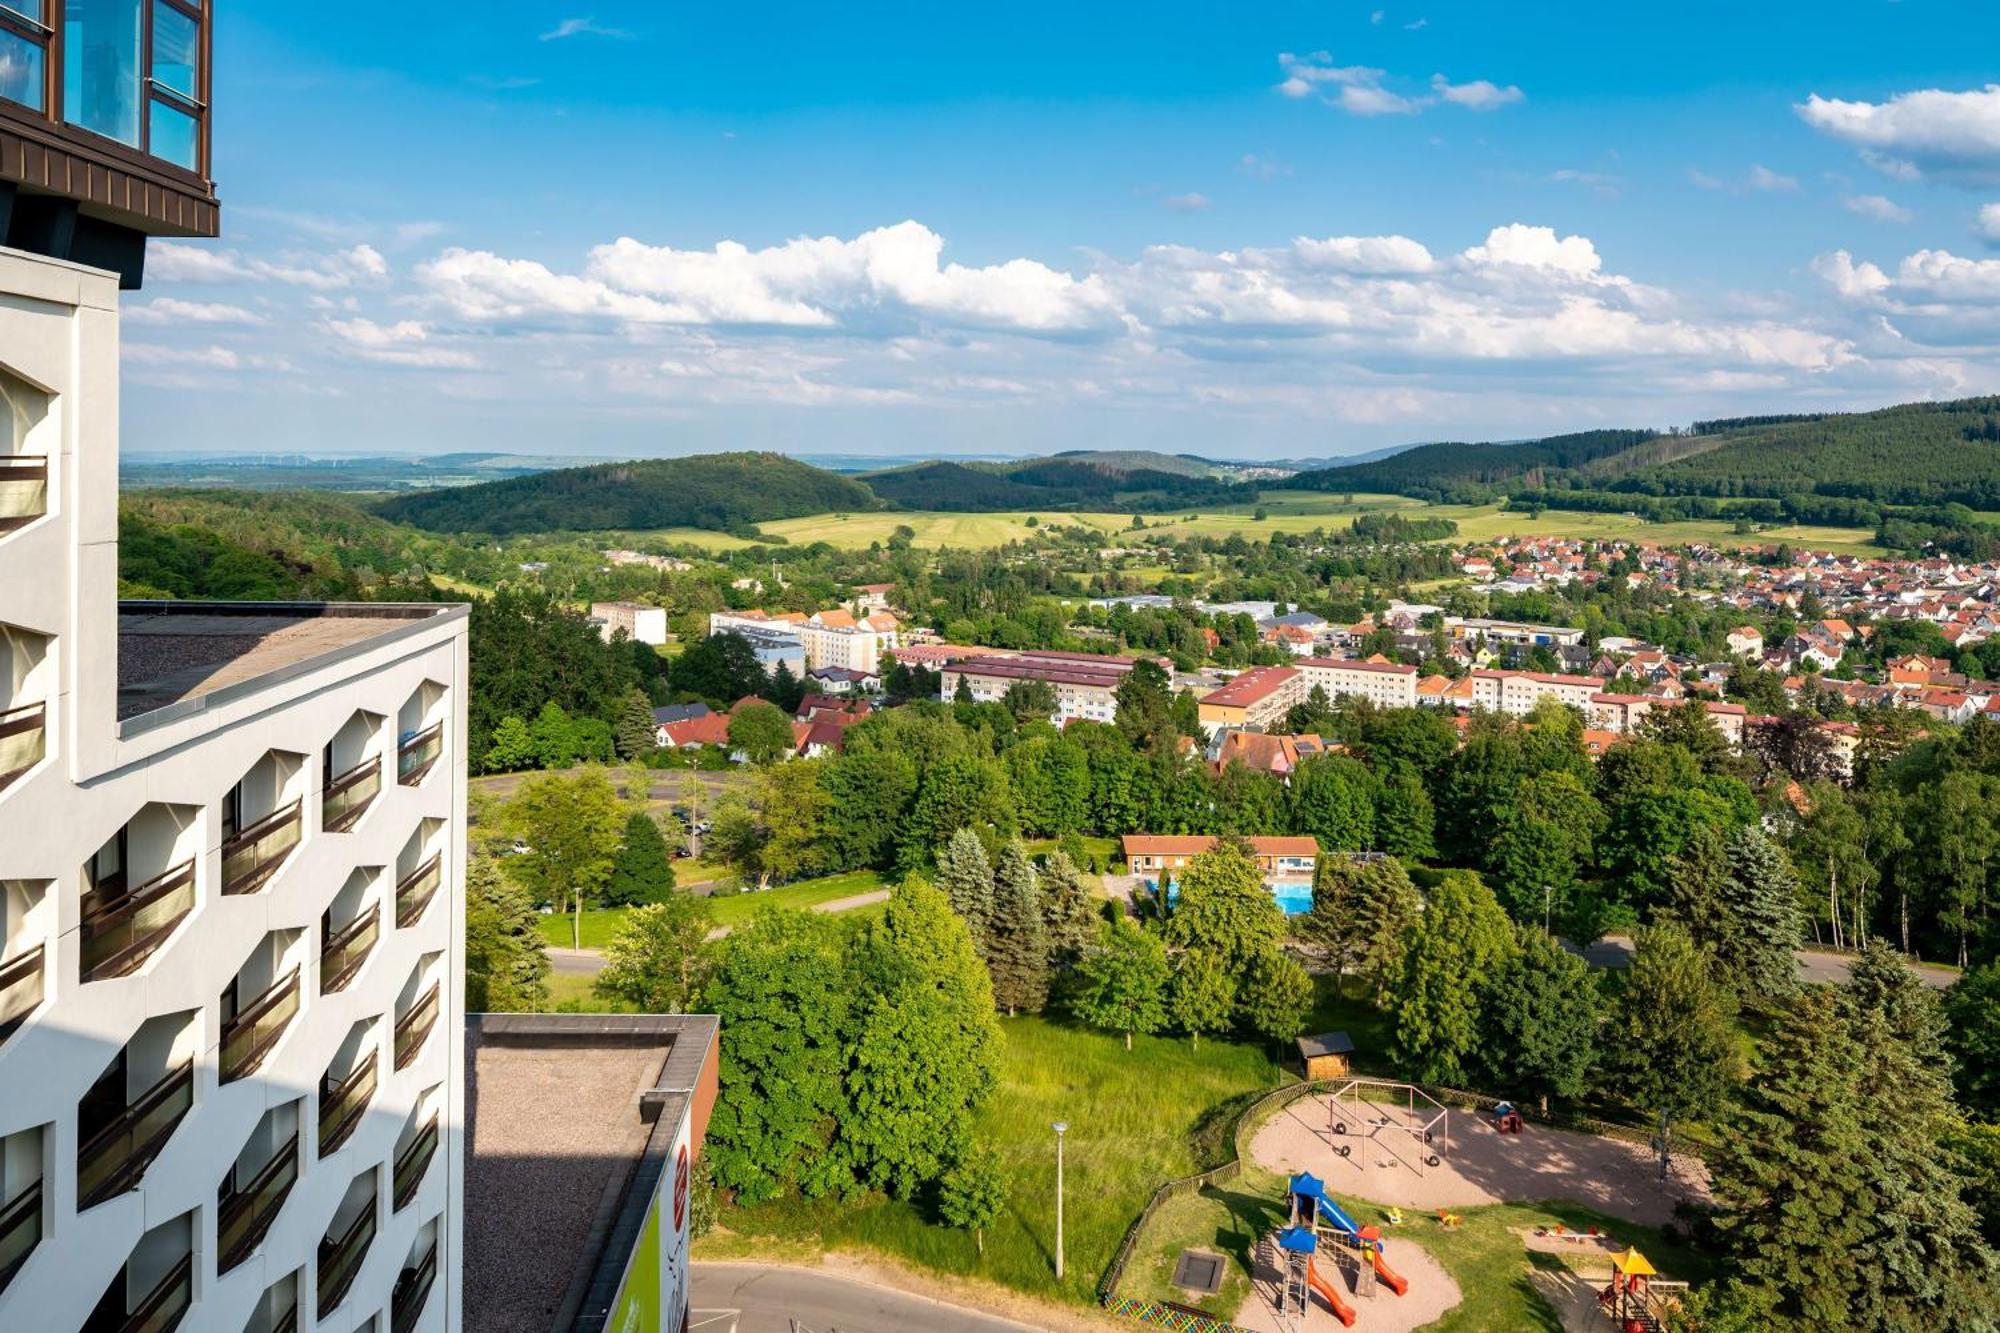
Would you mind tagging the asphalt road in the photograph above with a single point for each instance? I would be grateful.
(1815, 965)
(769, 1300)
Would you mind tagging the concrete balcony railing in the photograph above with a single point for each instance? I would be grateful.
(113, 1159)
(120, 930)
(251, 857)
(245, 1214)
(21, 987)
(415, 1026)
(24, 740)
(249, 1037)
(341, 1104)
(340, 1259)
(417, 753)
(24, 490)
(414, 1161)
(416, 889)
(348, 796)
(413, 1289)
(20, 1230)
(341, 957)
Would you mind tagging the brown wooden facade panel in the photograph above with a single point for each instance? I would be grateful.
(123, 195)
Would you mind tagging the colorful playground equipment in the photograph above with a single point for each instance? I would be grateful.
(1311, 1209)
(1626, 1300)
(1506, 1119)
(1302, 1277)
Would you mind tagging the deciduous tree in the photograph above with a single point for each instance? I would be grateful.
(1122, 982)
(1539, 1021)
(1204, 994)
(972, 1193)
(655, 960)
(1460, 939)
(506, 964)
(573, 825)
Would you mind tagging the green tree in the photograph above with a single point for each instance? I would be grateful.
(785, 996)
(972, 1194)
(736, 838)
(1122, 982)
(1069, 910)
(1224, 910)
(1405, 819)
(1145, 705)
(1204, 994)
(1736, 894)
(1829, 847)
(1333, 799)
(926, 1051)
(1277, 997)
(954, 793)
(513, 748)
(655, 960)
(635, 733)
(720, 668)
(761, 732)
(1668, 1046)
(1545, 842)
(554, 738)
(573, 825)
(1017, 951)
(643, 869)
(1462, 937)
(793, 809)
(1030, 700)
(1539, 1022)
(965, 874)
(1973, 1037)
(868, 792)
(787, 691)
(1361, 917)
(506, 963)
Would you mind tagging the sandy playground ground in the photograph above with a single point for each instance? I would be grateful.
(1478, 1166)
(1377, 1309)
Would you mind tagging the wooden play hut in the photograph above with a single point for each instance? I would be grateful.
(1327, 1055)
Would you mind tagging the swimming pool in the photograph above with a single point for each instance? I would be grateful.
(1294, 896)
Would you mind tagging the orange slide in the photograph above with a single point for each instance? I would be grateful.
(1391, 1279)
(1327, 1292)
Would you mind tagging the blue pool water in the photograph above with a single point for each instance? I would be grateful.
(1295, 897)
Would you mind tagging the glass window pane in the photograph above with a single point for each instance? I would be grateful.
(176, 49)
(20, 69)
(28, 8)
(172, 135)
(101, 74)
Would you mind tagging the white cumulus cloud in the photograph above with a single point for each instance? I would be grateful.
(1477, 95)
(1930, 133)
(1987, 224)
(1875, 207)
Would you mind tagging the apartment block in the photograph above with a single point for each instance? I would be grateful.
(635, 620)
(1255, 700)
(1085, 685)
(843, 641)
(1383, 683)
(231, 835)
(1518, 692)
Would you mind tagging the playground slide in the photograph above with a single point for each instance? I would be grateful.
(1390, 1278)
(1330, 1294)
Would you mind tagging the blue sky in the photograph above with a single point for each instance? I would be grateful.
(1291, 229)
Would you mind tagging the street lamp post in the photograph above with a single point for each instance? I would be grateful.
(1548, 899)
(1061, 1128)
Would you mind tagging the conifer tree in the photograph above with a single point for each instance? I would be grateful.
(966, 876)
(635, 732)
(506, 961)
(1361, 917)
(1017, 950)
(642, 871)
(1668, 1045)
(1069, 911)
(1765, 920)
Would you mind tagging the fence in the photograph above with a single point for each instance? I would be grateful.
(1166, 1316)
(1278, 1098)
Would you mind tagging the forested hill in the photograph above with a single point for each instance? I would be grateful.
(1124, 481)
(1471, 471)
(1919, 453)
(720, 492)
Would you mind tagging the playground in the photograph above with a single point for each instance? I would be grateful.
(1391, 1144)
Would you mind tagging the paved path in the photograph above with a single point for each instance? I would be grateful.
(1815, 965)
(768, 1299)
(589, 962)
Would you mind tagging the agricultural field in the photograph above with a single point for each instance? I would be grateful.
(1284, 512)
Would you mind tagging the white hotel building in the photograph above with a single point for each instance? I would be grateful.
(231, 890)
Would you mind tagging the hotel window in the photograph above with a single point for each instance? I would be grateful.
(132, 72)
(24, 53)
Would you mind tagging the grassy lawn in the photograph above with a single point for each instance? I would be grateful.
(599, 925)
(1104, 849)
(1491, 523)
(1135, 1118)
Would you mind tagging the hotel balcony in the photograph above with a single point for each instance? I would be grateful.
(416, 755)
(345, 1245)
(24, 490)
(141, 887)
(413, 1161)
(419, 883)
(26, 679)
(22, 1202)
(347, 1088)
(353, 774)
(413, 1027)
(262, 821)
(413, 1286)
(21, 987)
(154, 1291)
(249, 1200)
(128, 1115)
(249, 1034)
(346, 949)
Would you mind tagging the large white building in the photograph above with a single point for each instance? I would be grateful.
(1085, 685)
(231, 890)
